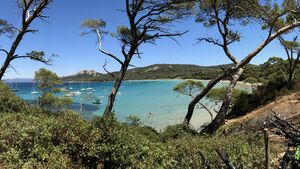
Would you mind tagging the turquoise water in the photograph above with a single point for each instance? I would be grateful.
(154, 102)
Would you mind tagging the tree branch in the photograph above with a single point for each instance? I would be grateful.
(225, 159)
(108, 72)
(99, 37)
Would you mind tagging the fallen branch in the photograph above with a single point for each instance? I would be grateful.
(225, 159)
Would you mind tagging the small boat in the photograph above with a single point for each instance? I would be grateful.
(69, 95)
(73, 94)
(76, 93)
(14, 89)
(63, 89)
(70, 86)
(97, 101)
(33, 91)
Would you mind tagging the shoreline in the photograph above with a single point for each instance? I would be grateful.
(149, 80)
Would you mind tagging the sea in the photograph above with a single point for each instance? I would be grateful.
(152, 101)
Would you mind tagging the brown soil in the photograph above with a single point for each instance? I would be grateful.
(285, 107)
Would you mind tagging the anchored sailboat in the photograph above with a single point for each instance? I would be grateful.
(12, 87)
(33, 91)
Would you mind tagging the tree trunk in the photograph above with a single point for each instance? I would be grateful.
(290, 78)
(114, 92)
(220, 118)
(293, 67)
(4, 67)
(1, 73)
(11, 53)
(203, 93)
(115, 89)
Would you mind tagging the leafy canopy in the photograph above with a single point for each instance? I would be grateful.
(47, 80)
(189, 87)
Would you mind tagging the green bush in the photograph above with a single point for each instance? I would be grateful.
(10, 103)
(37, 139)
(264, 94)
(177, 131)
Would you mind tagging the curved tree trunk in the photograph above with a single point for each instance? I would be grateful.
(203, 93)
(11, 53)
(229, 71)
(115, 89)
(220, 118)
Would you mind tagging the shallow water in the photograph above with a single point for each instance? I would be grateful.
(154, 102)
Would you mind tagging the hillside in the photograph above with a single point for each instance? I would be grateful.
(286, 107)
(157, 71)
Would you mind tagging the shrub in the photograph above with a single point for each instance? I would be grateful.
(43, 140)
(10, 103)
(37, 139)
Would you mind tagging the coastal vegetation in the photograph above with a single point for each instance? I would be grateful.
(159, 71)
(48, 82)
(244, 132)
(31, 137)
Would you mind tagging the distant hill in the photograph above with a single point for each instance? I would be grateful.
(157, 71)
(19, 80)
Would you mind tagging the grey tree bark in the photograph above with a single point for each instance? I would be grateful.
(220, 118)
(232, 70)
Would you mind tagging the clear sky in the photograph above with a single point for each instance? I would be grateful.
(62, 36)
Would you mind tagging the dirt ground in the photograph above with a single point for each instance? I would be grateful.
(285, 107)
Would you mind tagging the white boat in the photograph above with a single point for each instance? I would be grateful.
(98, 100)
(63, 89)
(76, 93)
(12, 87)
(69, 95)
(33, 89)
(14, 90)
(73, 94)
(70, 86)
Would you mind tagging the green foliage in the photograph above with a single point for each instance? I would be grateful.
(262, 95)
(274, 69)
(244, 151)
(50, 102)
(133, 120)
(297, 154)
(45, 141)
(167, 71)
(10, 103)
(37, 55)
(94, 23)
(219, 94)
(177, 131)
(47, 80)
(5, 28)
(251, 80)
(189, 87)
(68, 141)
(40, 140)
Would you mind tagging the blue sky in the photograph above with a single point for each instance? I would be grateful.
(62, 36)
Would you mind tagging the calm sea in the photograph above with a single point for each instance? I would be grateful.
(154, 102)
